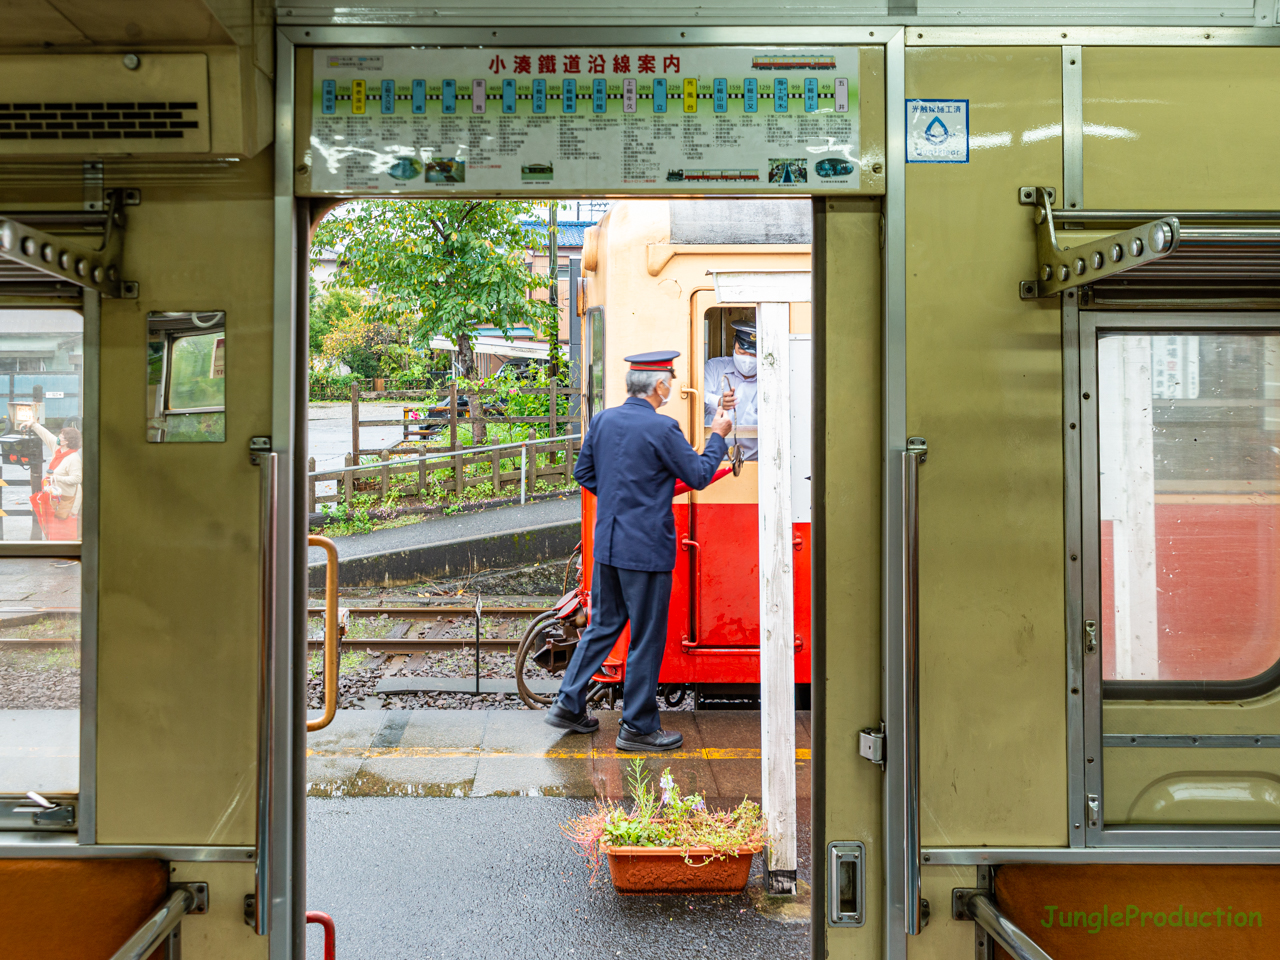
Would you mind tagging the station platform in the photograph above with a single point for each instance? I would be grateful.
(506, 753)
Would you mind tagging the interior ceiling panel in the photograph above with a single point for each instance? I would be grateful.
(33, 23)
(45, 23)
(143, 21)
(654, 12)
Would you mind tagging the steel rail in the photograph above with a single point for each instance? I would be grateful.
(422, 613)
(400, 645)
(158, 926)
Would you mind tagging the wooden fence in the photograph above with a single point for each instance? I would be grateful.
(443, 413)
(560, 455)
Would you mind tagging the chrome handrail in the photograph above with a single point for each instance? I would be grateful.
(1002, 930)
(158, 926)
(269, 464)
(912, 457)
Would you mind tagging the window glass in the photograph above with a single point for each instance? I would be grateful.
(198, 372)
(1189, 498)
(39, 676)
(41, 420)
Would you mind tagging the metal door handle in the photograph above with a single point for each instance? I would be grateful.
(914, 455)
(695, 421)
(332, 632)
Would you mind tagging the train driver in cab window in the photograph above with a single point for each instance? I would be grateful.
(729, 383)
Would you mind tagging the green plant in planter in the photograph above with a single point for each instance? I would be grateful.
(666, 819)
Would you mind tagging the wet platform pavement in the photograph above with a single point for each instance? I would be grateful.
(437, 834)
(504, 753)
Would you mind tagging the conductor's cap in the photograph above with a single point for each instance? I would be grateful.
(661, 360)
(744, 334)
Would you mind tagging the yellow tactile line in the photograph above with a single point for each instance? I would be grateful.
(377, 753)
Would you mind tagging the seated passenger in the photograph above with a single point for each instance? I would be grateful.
(738, 396)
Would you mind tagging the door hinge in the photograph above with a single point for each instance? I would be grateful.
(871, 744)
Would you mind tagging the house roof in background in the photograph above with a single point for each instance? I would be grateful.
(570, 231)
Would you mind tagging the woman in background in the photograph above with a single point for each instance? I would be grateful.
(57, 505)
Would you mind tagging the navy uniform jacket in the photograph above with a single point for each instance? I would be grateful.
(630, 459)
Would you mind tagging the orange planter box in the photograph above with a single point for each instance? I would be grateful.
(658, 870)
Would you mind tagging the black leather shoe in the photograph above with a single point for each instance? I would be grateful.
(654, 742)
(582, 722)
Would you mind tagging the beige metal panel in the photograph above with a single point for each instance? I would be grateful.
(1261, 715)
(944, 938)
(162, 77)
(1192, 785)
(984, 388)
(221, 934)
(1180, 129)
(850, 579)
(178, 631)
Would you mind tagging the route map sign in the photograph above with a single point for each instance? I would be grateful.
(633, 119)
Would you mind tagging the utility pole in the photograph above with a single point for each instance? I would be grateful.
(553, 268)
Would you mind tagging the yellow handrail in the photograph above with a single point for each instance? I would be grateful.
(332, 632)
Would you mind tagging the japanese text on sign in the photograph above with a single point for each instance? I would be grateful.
(720, 118)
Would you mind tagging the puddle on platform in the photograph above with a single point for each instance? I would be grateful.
(372, 785)
(544, 791)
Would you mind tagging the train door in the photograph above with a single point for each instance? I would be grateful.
(724, 518)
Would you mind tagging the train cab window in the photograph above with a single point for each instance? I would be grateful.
(1188, 496)
(186, 377)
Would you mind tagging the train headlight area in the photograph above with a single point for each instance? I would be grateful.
(980, 608)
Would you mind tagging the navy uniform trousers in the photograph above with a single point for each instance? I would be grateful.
(619, 595)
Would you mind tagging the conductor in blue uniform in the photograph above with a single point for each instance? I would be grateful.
(630, 459)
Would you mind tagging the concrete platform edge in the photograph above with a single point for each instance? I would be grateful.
(452, 558)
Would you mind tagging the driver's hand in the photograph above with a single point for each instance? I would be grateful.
(720, 423)
(728, 400)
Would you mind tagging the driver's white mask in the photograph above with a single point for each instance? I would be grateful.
(663, 401)
(745, 364)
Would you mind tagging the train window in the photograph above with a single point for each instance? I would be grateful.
(717, 329)
(595, 370)
(186, 377)
(41, 387)
(1188, 447)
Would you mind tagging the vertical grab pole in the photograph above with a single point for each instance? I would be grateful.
(268, 464)
(911, 459)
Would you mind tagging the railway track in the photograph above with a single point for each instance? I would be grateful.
(419, 628)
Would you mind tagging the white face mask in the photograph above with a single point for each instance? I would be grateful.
(662, 402)
(745, 364)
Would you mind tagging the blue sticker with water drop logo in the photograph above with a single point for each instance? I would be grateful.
(937, 131)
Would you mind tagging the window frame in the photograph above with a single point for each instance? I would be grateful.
(1093, 326)
(85, 551)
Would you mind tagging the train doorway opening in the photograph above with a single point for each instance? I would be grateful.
(441, 445)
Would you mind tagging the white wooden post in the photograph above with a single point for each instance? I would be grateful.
(773, 292)
(777, 595)
(1128, 500)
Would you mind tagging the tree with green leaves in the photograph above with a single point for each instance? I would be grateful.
(440, 268)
